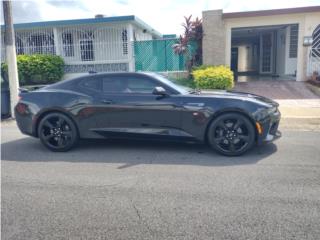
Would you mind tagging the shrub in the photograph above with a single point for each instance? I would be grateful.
(37, 69)
(201, 67)
(213, 77)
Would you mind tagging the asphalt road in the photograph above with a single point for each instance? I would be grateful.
(149, 190)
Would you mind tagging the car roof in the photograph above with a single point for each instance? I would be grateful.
(76, 79)
(118, 74)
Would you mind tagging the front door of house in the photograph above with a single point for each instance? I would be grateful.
(266, 53)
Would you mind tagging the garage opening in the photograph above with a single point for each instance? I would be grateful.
(264, 53)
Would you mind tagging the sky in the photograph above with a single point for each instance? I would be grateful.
(165, 16)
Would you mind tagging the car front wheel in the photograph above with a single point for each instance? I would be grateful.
(231, 134)
(58, 132)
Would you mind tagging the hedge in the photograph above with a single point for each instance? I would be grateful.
(213, 77)
(37, 69)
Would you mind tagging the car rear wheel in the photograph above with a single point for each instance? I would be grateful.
(231, 134)
(58, 132)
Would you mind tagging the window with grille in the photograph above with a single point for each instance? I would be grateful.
(19, 46)
(125, 42)
(41, 43)
(293, 49)
(86, 50)
(67, 42)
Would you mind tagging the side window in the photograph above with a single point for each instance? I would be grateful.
(141, 85)
(93, 84)
(130, 84)
(114, 85)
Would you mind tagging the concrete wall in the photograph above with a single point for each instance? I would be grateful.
(140, 35)
(214, 41)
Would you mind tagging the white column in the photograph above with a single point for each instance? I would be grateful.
(56, 41)
(131, 48)
(301, 54)
(228, 46)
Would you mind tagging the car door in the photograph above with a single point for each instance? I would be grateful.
(130, 109)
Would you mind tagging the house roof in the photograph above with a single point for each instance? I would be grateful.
(132, 18)
(272, 12)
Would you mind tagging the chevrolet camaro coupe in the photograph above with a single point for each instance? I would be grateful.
(145, 106)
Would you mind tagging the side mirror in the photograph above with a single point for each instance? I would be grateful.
(159, 91)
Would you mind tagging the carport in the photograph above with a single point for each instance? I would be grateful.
(266, 52)
(264, 44)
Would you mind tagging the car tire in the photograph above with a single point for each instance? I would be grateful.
(58, 132)
(231, 134)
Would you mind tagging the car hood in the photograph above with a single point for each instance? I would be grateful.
(240, 96)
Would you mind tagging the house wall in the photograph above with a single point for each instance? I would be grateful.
(139, 35)
(216, 45)
(214, 38)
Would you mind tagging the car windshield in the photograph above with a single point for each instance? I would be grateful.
(177, 87)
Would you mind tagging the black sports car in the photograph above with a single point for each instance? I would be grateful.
(148, 106)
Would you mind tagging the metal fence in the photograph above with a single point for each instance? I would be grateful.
(158, 56)
(314, 61)
(314, 53)
(101, 48)
(95, 47)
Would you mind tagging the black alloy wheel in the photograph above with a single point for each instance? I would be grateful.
(58, 132)
(231, 134)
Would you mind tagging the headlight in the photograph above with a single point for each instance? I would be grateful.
(272, 110)
(264, 113)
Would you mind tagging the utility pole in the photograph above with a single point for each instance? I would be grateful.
(11, 54)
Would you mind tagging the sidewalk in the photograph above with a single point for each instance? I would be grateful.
(300, 108)
(300, 114)
(278, 89)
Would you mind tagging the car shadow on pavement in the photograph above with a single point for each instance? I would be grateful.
(130, 153)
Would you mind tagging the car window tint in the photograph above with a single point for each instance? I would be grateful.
(141, 85)
(114, 85)
(128, 85)
(91, 84)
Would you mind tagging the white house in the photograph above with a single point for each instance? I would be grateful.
(268, 44)
(95, 44)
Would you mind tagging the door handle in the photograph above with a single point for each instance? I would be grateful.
(106, 101)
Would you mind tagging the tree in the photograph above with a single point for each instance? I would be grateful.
(193, 33)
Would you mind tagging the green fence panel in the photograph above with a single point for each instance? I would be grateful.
(158, 56)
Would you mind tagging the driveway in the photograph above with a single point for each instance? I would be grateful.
(277, 89)
(151, 190)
